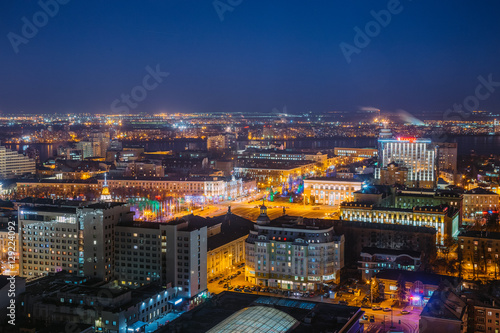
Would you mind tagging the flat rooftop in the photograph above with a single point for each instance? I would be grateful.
(311, 316)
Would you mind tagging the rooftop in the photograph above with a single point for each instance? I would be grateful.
(410, 276)
(375, 250)
(480, 234)
(238, 312)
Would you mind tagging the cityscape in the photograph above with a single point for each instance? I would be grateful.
(214, 191)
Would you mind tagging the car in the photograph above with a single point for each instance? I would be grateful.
(225, 285)
(405, 312)
(238, 272)
(216, 278)
(365, 317)
(229, 287)
(316, 208)
(372, 319)
(343, 303)
(376, 308)
(387, 309)
(221, 281)
(247, 291)
(311, 295)
(237, 289)
(211, 280)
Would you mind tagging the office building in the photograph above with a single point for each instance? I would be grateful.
(293, 253)
(447, 156)
(174, 252)
(78, 240)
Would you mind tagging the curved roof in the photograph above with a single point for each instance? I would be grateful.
(256, 319)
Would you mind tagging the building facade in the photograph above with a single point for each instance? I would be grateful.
(373, 260)
(416, 155)
(444, 219)
(330, 191)
(293, 253)
(77, 240)
(14, 164)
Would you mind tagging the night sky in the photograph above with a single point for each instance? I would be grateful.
(262, 55)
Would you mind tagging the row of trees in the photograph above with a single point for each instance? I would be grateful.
(401, 292)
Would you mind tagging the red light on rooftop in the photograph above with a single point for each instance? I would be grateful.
(410, 139)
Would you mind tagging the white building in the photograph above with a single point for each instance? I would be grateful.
(293, 253)
(13, 164)
(417, 155)
(330, 191)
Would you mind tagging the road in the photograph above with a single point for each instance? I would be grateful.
(409, 322)
(274, 210)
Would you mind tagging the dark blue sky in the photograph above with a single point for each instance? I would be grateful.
(263, 55)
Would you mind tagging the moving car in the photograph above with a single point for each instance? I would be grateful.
(376, 308)
(405, 312)
(387, 309)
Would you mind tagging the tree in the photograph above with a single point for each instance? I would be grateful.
(375, 289)
(401, 290)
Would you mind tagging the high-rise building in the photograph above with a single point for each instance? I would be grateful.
(293, 253)
(447, 156)
(13, 164)
(78, 240)
(417, 155)
(174, 252)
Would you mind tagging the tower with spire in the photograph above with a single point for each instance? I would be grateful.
(263, 219)
(105, 195)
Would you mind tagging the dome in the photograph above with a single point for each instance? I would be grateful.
(256, 319)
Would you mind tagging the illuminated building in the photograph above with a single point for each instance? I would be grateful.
(14, 164)
(374, 260)
(174, 252)
(330, 191)
(105, 195)
(273, 174)
(293, 253)
(356, 152)
(58, 188)
(142, 170)
(480, 251)
(447, 156)
(444, 219)
(210, 188)
(477, 203)
(85, 147)
(78, 240)
(226, 243)
(417, 155)
(69, 301)
(419, 197)
(254, 154)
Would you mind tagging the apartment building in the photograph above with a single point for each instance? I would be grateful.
(14, 164)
